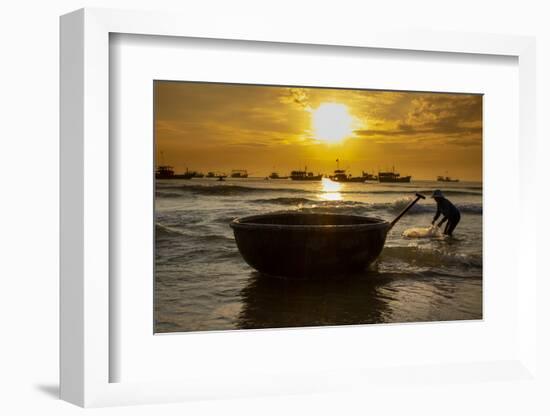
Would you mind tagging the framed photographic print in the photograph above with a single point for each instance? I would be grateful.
(277, 213)
(281, 207)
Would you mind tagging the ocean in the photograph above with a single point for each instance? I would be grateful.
(202, 283)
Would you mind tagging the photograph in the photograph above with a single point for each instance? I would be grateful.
(284, 206)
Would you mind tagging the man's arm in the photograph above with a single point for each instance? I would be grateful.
(442, 221)
(437, 214)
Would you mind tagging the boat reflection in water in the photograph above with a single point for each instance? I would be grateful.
(330, 190)
(281, 303)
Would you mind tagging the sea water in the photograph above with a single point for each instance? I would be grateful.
(202, 282)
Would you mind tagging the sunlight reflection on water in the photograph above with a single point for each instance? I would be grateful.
(330, 190)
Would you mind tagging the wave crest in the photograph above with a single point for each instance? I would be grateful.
(230, 189)
(356, 207)
(432, 258)
(226, 190)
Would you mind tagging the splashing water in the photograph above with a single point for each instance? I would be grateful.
(421, 232)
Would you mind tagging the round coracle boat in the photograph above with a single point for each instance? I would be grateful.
(295, 244)
(308, 245)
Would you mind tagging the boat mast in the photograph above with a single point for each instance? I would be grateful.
(161, 158)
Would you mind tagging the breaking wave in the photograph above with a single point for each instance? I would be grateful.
(169, 191)
(433, 258)
(355, 207)
(226, 190)
(285, 201)
(164, 231)
(425, 192)
(401, 203)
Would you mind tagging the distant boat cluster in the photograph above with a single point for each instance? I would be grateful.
(339, 175)
(167, 172)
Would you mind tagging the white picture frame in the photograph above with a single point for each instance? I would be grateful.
(85, 210)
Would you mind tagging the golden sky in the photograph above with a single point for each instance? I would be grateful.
(220, 127)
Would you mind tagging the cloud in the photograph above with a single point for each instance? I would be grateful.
(452, 117)
(249, 144)
(297, 96)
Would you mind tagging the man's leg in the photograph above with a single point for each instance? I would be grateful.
(451, 225)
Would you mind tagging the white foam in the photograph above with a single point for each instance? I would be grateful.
(423, 232)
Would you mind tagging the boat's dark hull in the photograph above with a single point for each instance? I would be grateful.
(309, 245)
(311, 178)
(176, 176)
(356, 180)
(404, 179)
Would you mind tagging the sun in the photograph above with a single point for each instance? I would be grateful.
(332, 122)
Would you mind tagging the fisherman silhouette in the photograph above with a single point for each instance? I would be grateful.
(450, 213)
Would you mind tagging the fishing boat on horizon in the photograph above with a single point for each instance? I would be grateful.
(189, 174)
(392, 177)
(164, 172)
(446, 179)
(275, 175)
(340, 175)
(239, 173)
(304, 175)
(369, 176)
(167, 172)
